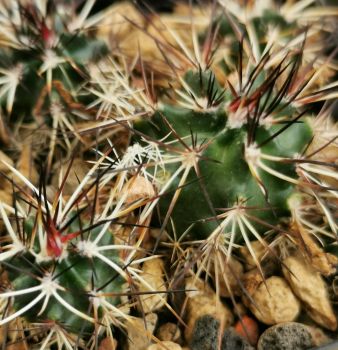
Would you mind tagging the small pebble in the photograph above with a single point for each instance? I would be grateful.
(233, 341)
(115, 25)
(26, 166)
(205, 334)
(169, 332)
(78, 171)
(229, 276)
(165, 345)
(157, 233)
(139, 336)
(286, 336)
(319, 338)
(4, 168)
(138, 188)
(310, 288)
(202, 302)
(6, 193)
(108, 344)
(251, 281)
(6, 197)
(274, 302)
(315, 255)
(153, 276)
(247, 328)
(260, 251)
(22, 345)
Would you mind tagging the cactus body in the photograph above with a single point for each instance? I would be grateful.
(44, 66)
(224, 176)
(74, 273)
(45, 49)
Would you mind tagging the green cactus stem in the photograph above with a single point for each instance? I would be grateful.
(236, 147)
(73, 276)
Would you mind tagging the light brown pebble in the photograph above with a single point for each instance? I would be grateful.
(15, 332)
(251, 281)
(139, 335)
(202, 302)
(3, 330)
(6, 197)
(5, 185)
(115, 26)
(22, 345)
(78, 171)
(165, 345)
(310, 288)
(169, 332)
(138, 188)
(314, 255)
(260, 252)
(4, 158)
(230, 274)
(157, 233)
(26, 166)
(5, 136)
(274, 302)
(153, 276)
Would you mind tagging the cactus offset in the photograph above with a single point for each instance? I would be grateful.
(62, 263)
(43, 67)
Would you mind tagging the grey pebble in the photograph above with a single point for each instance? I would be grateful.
(233, 341)
(286, 336)
(205, 336)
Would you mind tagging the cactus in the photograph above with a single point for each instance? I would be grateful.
(64, 269)
(45, 53)
(233, 120)
(226, 153)
(235, 147)
(235, 124)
